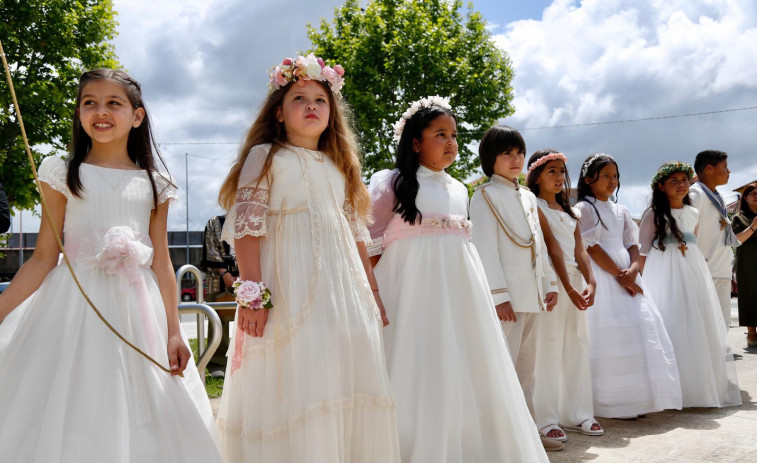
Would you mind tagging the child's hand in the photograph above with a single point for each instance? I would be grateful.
(627, 277)
(178, 355)
(577, 299)
(252, 321)
(550, 301)
(588, 294)
(505, 312)
(634, 289)
(380, 305)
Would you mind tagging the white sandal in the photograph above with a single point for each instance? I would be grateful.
(553, 427)
(585, 428)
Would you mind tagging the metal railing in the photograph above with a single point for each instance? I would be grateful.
(204, 352)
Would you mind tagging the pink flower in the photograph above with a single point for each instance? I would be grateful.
(339, 70)
(329, 74)
(287, 62)
(278, 77)
(321, 63)
(247, 292)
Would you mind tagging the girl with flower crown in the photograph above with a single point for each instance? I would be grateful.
(681, 284)
(562, 390)
(633, 366)
(72, 391)
(307, 379)
(457, 393)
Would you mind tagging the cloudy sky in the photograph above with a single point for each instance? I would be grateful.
(202, 65)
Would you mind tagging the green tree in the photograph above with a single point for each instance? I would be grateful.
(397, 51)
(48, 44)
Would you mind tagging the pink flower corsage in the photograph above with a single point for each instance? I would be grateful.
(252, 295)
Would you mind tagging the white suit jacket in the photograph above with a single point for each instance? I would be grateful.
(509, 269)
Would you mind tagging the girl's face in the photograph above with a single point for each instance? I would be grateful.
(606, 183)
(509, 164)
(106, 114)
(305, 113)
(437, 147)
(675, 187)
(751, 200)
(551, 180)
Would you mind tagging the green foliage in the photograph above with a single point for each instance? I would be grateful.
(48, 44)
(397, 51)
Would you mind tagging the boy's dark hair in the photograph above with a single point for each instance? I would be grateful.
(497, 140)
(406, 184)
(708, 158)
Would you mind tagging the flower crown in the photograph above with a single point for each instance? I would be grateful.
(308, 67)
(545, 159)
(592, 160)
(670, 168)
(436, 100)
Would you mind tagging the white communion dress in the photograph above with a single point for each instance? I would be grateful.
(633, 364)
(562, 394)
(458, 397)
(71, 391)
(679, 280)
(314, 388)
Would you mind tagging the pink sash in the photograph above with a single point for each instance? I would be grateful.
(432, 224)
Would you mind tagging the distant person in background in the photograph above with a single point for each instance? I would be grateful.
(5, 215)
(714, 236)
(221, 268)
(745, 226)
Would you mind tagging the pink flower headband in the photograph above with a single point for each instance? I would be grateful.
(303, 68)
(545, 159)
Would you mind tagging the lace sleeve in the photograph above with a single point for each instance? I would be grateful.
(249, 215)
(630, 230)
(357, 225)
(382, 201)
(52, 171)
(646, 232)
(589, 224)
(166, 186)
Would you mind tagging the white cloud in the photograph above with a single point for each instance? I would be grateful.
(604, 60)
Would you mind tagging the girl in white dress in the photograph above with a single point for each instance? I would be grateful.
(458, 396)
(307, 379)
(633, 366)
(680, 283)
(71, 390)
(562, 393)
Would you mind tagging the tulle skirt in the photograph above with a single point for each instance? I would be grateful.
(73, 392)
(683, 290)
(633, 364)
(458, 397)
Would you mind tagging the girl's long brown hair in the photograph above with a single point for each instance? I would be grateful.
(338, 142)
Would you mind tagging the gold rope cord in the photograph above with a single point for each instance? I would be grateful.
(46, 211)
(511, 234)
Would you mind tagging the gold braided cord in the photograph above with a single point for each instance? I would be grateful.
(46, 211)
(511, 234)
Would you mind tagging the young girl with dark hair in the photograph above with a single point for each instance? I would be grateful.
(457, 393)
(306, 381)
(562, 391)
(632, 361)
(78, 392)
(680, 283)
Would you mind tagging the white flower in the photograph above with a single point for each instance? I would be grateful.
(436, 100)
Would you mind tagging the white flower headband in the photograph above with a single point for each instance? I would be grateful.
(545, 159)
(436, 100)
(306, 68)
(591, 160)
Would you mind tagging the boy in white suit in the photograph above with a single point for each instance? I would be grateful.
(508, 237)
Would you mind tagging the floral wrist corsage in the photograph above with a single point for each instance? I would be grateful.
(252, 294)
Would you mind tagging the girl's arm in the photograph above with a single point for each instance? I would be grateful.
(363, 251)
(582, 259)
(248, 260)
(178, 352)
(558, 262)
(45, 256)
(603, 260)
(628, 276)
